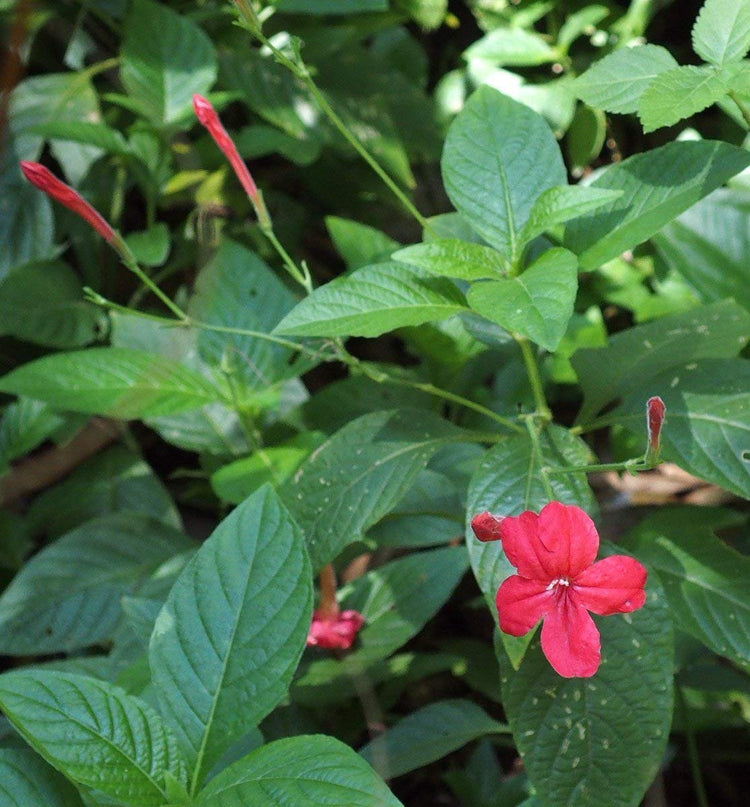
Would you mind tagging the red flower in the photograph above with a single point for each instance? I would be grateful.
(209, 118)
(337, 630)
(559, 582)
(46, 181)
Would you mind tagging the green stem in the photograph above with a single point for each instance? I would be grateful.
(533, 426)
(301, 71)
(633, 466)
(302, 277)
(129, 260)
(743, 109)
(535, 378)
(692, 749)
(381, 377)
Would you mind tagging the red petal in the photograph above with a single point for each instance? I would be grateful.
(337, 631)
(570, 537)
(520, 536)
(571, 640)
(486, 526)
(614, 585)
(521, 603)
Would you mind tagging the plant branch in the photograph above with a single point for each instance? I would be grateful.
(743, 109)
(535, 378)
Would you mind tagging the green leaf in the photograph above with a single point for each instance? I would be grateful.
(638, 354)
(708, 431)
(658, 185)
(55, 98)
(359, 244)
(359, 474)
(558, 205)
(150, 247)
(26, 226)
(451, 257)
(513, 47)
(537, 304)
(166, 58)
(221, 663)
(427, 735)
(597, 742)
(617, 82)
(708, 245)
(42, 303)
(24, 425)
(499, 157)
(238, 290)
(721, 33)
(372, 301)
(585, 137)
(85, 132)
(111, 381)
(311, 769)
(508, 482)
(680, 93)
(706, 582)
(67, 596)
(26, 780)
(93, 732)
(579, 23)
(112, 481)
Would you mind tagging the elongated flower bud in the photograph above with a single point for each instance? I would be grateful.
(46, 181)
(655, 410)
(209, 118)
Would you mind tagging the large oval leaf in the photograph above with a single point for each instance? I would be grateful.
(26, 780)
(296, 771)
(227, 642)
(499, 157)
(95, 733)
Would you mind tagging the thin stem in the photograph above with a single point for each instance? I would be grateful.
(329, 606)
(535, 378)
(381, 377)
(634, 466)
(129, 260)
(302, 72)
(692, 749)
(302, 277)
(533, 426)
(743, 109)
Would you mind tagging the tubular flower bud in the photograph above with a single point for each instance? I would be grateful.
(656, 410)
(46, 181)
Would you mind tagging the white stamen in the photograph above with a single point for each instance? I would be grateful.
(561, 581)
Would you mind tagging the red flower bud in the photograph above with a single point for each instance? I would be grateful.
(656, 410)
(486, 527)
(46, 181)
(208, 117)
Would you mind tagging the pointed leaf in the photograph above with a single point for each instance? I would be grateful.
(26, 780)
(512, 46)
(166, 58)
(299, 770)
(597, 742)
(451, 257)
(499, 157)
(706, 582)
(427, 735)
(558, 205)
(220, 663)
(372, 301)
(716, 331)
(680, 93)
(68, 595)
(658, 185)
(111, 381)
(94, 732)
(617, 81)
(538, 303)
(721, 33)
(359, 474)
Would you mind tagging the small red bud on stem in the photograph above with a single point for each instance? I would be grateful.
(655, 410)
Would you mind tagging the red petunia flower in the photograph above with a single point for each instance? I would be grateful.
(559, 582)
(46, 181)
(337, 630)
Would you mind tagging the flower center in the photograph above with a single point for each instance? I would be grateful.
(561, 581)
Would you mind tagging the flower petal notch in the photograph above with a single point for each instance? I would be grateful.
(559, 582)
(334, 630)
